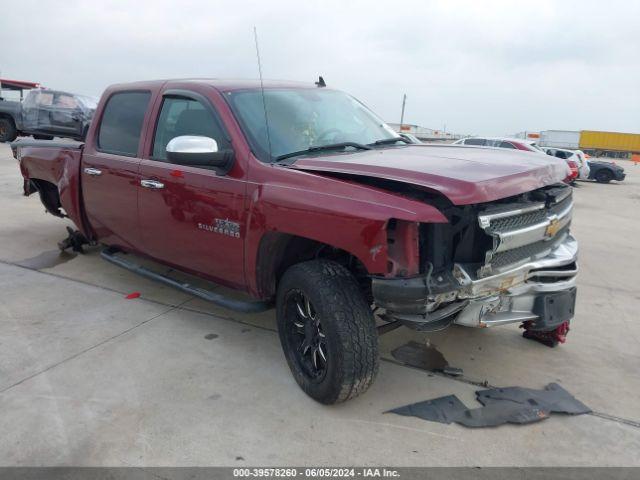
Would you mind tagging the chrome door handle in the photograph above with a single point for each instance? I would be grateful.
(93, 172)
(153, 184)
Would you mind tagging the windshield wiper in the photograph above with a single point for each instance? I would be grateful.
(324, 148)
(390, 141)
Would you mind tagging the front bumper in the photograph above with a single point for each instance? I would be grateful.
(509, 297)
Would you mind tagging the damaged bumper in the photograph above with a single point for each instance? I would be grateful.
(541, 291)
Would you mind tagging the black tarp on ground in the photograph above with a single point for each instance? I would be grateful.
(553, 398)
(501, 405)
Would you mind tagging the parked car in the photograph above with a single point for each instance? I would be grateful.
(518, 144)
(46, 113)
(604, 172)
(580, 167)
(499, 142)
(319, 208)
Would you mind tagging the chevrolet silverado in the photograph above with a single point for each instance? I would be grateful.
(305, 200)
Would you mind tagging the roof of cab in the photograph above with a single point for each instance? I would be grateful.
(222, 84)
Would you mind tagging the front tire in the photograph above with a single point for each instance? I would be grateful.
(327, 331)
(604, 176)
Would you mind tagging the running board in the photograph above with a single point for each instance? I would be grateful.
(237, 305)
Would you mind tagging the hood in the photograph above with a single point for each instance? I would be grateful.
(463, 174)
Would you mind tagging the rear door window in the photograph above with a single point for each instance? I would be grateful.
(65, 101)
(121, 123)
(45, 99)
(506, 145)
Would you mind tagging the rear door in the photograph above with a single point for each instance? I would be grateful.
(191, 217)
(110, 165)
(35, 113)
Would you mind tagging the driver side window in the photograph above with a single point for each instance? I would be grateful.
(185, 116)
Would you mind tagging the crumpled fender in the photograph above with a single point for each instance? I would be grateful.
(345, 215)
(60, 166)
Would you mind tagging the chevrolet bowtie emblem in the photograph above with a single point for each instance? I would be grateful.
(552, 228)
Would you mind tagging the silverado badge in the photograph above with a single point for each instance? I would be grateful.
(224, 227)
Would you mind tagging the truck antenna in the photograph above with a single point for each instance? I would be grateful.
(264, 102)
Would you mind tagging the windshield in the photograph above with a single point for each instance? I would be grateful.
(303, 118)
(89, 102)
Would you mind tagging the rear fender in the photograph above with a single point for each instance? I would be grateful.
(59, 167)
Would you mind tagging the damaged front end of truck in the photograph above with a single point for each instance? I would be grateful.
(507, 261)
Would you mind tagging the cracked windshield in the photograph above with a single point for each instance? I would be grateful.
(299, 119)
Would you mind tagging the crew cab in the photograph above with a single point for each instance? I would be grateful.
(305, 200)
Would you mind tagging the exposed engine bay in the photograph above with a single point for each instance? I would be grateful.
(508, 261)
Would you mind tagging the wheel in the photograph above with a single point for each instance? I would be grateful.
(8, 132)
(43, 137)
(327, 331)
(603, 176)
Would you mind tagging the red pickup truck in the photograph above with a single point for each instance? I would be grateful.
(304, 199)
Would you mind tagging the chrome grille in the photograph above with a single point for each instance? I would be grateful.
(517, 221)
(561, 205)
(524, 231)
(528, 218)
(515, 256)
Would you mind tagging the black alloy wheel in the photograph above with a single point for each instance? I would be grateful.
(327, 331)
(304, 335)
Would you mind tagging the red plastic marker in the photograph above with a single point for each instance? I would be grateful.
(176, 173)
(132, 295)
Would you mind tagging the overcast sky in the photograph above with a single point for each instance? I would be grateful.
(480, 67)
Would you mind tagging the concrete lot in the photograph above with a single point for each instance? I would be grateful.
(88, 377)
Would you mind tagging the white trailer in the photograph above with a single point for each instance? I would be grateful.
(560, 139)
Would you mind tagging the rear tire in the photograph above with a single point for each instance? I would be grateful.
(8, 132)
(603, 176)
(327, 331)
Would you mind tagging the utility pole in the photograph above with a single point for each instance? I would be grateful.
(404, 101)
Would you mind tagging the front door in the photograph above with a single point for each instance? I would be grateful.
(110, 177)
(191, 217)
(65, 115)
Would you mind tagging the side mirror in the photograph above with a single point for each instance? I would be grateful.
(199, 151)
